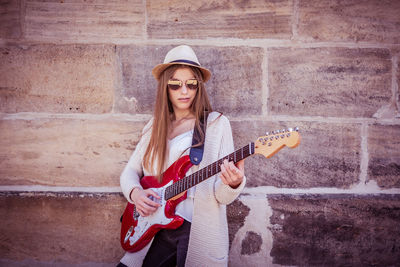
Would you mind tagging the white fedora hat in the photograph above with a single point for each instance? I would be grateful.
(183, 55)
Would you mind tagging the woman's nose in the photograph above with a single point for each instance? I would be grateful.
(184, 88)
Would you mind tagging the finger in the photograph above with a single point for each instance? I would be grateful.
(148, 200)
(144, 203)
(151, 192)
(240, 165)
(150, 203)
(142, 212)
(227, 173)
(147, 210)
(222, 175)
(228, 169)
(233, 169)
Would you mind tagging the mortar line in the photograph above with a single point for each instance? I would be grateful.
(117, 82)
(395, 85)
(364, 156)
(78, 116)
(140, 117)
(265, 84)
(146, 21)
(22, 18)
(295, 20)
(253, 191)
(218, 42)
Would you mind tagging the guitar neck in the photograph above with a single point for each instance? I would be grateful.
(197, 177)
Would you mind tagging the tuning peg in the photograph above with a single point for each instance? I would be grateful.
(296, 129)
(283, 131)
(290, 129)
(277, 131)
(267, 133)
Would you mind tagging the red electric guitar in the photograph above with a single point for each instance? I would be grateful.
(138, 231)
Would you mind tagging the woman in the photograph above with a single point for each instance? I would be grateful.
(181, 103)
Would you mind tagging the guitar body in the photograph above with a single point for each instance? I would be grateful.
(138, 231)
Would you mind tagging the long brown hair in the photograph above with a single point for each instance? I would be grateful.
(164, 115)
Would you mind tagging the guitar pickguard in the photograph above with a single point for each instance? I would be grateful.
(157, 218)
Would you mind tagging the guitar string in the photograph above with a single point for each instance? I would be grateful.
(208, 171)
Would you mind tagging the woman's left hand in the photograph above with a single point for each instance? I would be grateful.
(232, 175)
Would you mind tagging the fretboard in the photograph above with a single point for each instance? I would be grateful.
(208, 171)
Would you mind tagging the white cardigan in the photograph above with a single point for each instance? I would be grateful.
(208, 241)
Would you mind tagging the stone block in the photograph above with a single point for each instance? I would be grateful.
(236, 214)
(57, 78)
(336, 82)
(335, 230)
(328, 155)
(368, 21)
(63, 228)
(66, 152)
(83, 20)
(235, 86)
(204, 19)
(384, 155)
(10, 21)
(397, 95)
(137, 88)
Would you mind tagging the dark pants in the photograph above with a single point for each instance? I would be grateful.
(169, 247)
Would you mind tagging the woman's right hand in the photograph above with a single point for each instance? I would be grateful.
(144, 205)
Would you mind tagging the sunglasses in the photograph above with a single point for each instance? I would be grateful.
(177, 84)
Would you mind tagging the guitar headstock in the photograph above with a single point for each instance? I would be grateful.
(271, 143)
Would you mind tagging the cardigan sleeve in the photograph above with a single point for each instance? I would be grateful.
(133, 171)
(224, 193)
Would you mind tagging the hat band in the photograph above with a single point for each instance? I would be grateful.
(185, 61)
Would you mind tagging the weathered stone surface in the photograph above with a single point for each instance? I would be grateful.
(234, 88)
(384, 155)
(397, 95)
(66, 152)
(337, 82)
(328, 155)
(137, 88)
(203, 19)
(351, 20)
(236, 214)
(251, 243)
(82, 20)
(57, 78)
(69, 228)
(336, 230)
(10, 23)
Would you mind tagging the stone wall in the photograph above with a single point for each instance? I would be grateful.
(76, 90)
